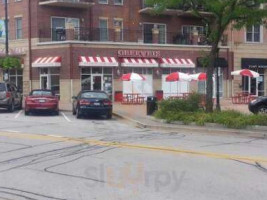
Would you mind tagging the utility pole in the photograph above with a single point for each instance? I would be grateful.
(6, 27)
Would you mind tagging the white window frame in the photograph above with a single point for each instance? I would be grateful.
(119, 20)
(102, 1)
(253, 42)
(106, 19)
(118, 4)
(197, 26)
(165, 42)
(16, 28)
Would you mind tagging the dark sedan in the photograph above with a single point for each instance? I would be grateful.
(92, 103)
(258, 105)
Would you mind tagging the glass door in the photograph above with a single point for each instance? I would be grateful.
(45, 82)
(97, 82)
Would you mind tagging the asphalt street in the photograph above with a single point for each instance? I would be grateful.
(61, 157)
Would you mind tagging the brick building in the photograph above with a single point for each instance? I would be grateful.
(70, 45)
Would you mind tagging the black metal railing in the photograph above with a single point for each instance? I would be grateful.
(124, 35)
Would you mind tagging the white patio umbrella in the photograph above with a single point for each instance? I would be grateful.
(132, 77)
(177, 76)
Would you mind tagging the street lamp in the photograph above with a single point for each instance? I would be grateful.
(6, 27)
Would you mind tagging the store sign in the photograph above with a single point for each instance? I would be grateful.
(14, 51)
(2, 31)
(138, 54)
(253, 63)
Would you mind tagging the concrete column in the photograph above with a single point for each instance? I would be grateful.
(117, 32)
(70, 31)
(155, 35)
(195, 37)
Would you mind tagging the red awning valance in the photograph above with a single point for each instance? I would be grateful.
(47, 62)
(139, 62)
(87, 61)
(177, 63)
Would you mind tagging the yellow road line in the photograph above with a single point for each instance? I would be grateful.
(133, 146)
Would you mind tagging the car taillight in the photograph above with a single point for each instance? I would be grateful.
(8, 94)
(29, 100)
(107, 103)
(53, 100)
(84, 102)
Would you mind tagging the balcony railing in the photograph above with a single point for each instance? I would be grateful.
(125, 35)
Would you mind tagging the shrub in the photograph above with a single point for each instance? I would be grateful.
(230, 119)
(180, 105)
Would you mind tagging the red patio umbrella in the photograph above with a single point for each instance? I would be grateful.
(245, 72)
(132, 77)
(178, 76)
(199, 77)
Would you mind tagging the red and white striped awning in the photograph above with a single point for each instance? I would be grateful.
(177, 63)
(87, 61)
(139, 62)
(47, 62)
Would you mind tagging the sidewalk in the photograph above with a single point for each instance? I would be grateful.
(137, 115)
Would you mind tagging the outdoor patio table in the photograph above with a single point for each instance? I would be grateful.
(133, 99)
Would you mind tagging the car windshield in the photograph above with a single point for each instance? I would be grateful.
(2, 87)
(93, 95)
(41, 93)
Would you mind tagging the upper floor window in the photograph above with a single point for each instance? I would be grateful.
(103, 29)
(189, 29)
(118, 2)
(119, 23)
(18, 24)
(253, 33)
(103, 1)
(148, 32)
(59, 25)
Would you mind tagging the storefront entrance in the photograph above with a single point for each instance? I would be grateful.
(254, 86)
(97, 78)
(97, 82)
(44, 82)
(49, 79)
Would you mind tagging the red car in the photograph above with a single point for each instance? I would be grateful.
(42, 100)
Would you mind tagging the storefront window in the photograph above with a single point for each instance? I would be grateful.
(97, 78)
(97, 70)
(203, 84)
(254, 86)
(16, 77)
(137, 70)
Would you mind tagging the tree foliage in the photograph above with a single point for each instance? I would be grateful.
(10, 63)
(222, 15)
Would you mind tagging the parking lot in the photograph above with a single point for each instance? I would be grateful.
(60, 157)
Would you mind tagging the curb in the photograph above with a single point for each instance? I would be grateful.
(256, 132)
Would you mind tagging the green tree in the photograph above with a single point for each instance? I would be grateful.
(223, 13)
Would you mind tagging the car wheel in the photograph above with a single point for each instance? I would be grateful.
(56, 113)
(73, 111)
(20, 105)
(262, 110)
(11, 107)
(26, 113)
(78, 114)
(109, 115)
